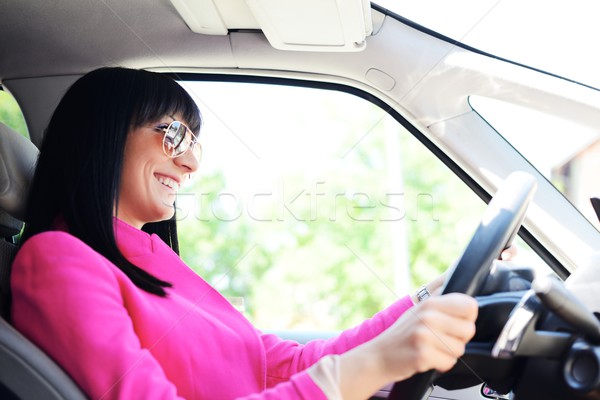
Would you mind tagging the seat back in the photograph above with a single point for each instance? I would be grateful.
(25, 371)
(9, 228)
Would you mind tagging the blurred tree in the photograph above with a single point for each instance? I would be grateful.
(11, 115)
(316, 251)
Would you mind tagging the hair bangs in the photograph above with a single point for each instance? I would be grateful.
(161, 96)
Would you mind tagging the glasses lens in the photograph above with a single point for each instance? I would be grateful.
(174, 141)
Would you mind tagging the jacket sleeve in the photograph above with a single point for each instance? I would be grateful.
(68, 303)
(298, 387)
(67, 299)
(286, 357)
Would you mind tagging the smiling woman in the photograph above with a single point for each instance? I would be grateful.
(93, 125)
(129, 303)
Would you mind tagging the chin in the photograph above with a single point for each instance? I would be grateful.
(168, 215)
(167, 208)
(163, 214)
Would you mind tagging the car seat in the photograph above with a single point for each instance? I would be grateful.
(25, 371)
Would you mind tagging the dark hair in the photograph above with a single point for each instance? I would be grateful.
(79, 169)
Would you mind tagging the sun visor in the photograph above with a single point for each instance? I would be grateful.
(300, 25)
(201, 16)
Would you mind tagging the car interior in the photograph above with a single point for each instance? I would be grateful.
(538, 335)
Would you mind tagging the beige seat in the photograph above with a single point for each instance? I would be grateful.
(25, 371)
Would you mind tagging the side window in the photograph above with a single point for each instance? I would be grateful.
(314, 209)
(10, 113)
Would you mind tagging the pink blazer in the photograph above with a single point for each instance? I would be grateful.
(120, 342)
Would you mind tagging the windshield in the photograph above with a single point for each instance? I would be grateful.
(553, 37)
(557, 36)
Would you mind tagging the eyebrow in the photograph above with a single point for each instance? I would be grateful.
(180, 120)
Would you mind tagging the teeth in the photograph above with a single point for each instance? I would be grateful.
(169, 182)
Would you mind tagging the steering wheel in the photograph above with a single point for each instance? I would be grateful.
(498, 227)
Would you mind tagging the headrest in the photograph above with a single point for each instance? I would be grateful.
(18, 157)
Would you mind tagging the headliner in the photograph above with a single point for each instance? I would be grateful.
(73, 37)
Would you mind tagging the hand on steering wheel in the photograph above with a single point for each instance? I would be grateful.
(430, 335)
(499, 225)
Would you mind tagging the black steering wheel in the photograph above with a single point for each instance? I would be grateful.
(498, 227)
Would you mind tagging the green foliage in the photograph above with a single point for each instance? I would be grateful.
(323, 249)
(219, 249)
(10, 114)
(448, 213)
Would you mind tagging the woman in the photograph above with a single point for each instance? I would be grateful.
(117, 308)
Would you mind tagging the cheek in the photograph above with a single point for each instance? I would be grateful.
(128, 175)
(129, 192)
(133, 183)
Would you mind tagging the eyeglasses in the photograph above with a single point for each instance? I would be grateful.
(178, 139)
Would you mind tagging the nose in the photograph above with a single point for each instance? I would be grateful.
(188, 161)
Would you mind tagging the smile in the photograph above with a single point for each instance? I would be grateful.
(168, 182)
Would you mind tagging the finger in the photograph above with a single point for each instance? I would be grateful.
(445, 363)
(454, 304)
(509, 253)
(435, 351)
(443, 325)
(435, 286)
(439, 361)
(448, 353)
(452, 343)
